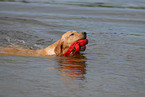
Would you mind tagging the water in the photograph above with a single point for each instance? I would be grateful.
(113, 64)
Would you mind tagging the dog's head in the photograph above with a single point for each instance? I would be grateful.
(67, 39)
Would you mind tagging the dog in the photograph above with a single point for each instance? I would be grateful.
(57, 48)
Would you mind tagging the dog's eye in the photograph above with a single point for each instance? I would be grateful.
(72, 34)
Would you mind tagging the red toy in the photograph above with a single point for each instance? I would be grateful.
(75, 45)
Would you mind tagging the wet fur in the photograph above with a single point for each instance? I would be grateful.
(56, 48)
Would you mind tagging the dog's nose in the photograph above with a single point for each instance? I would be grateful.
(84, 33)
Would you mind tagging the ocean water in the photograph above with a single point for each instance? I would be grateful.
(113, 64)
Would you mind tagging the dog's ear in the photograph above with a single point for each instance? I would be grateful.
(59, 47)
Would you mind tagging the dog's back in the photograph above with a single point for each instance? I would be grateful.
(17, 51)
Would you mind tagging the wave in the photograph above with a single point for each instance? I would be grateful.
(134, 4)
(18, 38)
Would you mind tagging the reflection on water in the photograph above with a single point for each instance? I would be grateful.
(72, 68)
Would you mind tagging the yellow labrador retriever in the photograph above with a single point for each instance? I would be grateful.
(57, 48)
